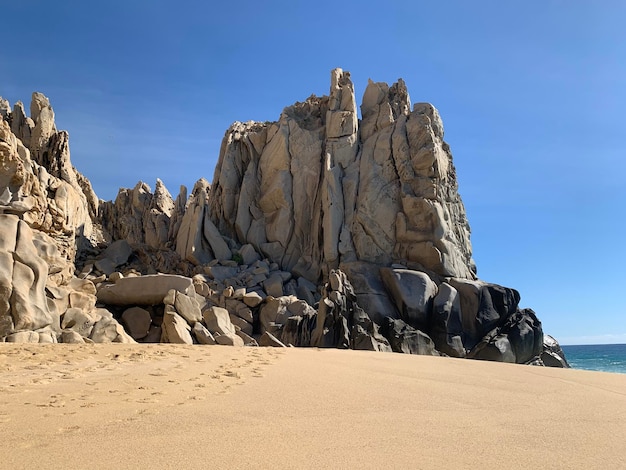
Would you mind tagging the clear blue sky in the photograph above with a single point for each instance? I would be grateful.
(532, 94)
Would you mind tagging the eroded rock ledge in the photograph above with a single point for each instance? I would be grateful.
(320, 229)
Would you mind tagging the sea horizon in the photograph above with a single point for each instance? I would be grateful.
(597, 357)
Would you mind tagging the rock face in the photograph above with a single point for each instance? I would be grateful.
(320, 229)
(380, 190)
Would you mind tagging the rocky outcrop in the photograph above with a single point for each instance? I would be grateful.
(319, 187)
(319, 230)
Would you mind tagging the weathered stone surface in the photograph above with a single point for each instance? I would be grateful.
(143, 290)
(341, 323)
(217, 320)
(137, 322)
(239, 309)
(241, 323)
(140, 217)
(275, 311)
(188, 308)
(446, 328)
(23, 337)
(406, 339)
(519, 339)
(229, 340)
(273, 285)
(176, 328)
(370, 291)
(71, 337)
(248, 254)
(108, 330)
(115, 255)
(553, 355)
(79, 321)
(23, 275)
(378, 191)
(252, 299)
(267, 339)
(198, 240)
(313, 191)
(202, 335)
(413, 293)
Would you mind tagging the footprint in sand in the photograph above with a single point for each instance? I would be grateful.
(69, 429)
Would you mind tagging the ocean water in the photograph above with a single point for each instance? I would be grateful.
(602, 357)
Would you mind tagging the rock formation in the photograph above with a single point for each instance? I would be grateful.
(320, 229)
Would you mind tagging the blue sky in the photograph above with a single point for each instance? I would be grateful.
(532, 95)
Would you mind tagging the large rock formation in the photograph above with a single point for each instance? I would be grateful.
(320, 229)
(319, 187)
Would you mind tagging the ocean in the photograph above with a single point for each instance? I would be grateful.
(602, 357)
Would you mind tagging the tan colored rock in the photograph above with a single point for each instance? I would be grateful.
(202, 335)
(217, 320)
(143, 290)
(23, 337)
(267, 339)
(108, 330)
(247, 339)
(188, 308)
(252, 299)
(230, 340)
(23, 276)
(176, 327)
(273, 285)
(275, 311)
(79, 321)
(198, 240)
(241, 324)
(72, 337)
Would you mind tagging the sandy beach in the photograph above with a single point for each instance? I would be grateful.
(173, 406)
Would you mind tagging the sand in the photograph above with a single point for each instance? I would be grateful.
(173, 406)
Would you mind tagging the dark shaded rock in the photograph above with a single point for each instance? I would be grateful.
(403, 338)
(297, 330)
(341, 323)
(446, 328)
(519, 340)
(412, 292)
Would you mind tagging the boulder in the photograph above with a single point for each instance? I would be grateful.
(248, 254)
(412, 292)
(108, 330)
(116, 254)
(23, 275)
(241, 324)
(273, 285)
(143, 290)
(188, 308)
(202, 335)
(78, 320)
(137, 322)
(71, 337)
(446, 328)
(275, 311)
(267, 339)
(229, 340)
(406, 339)
(519, 340)
(217, 320)
(176, 328)
(552, 354)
